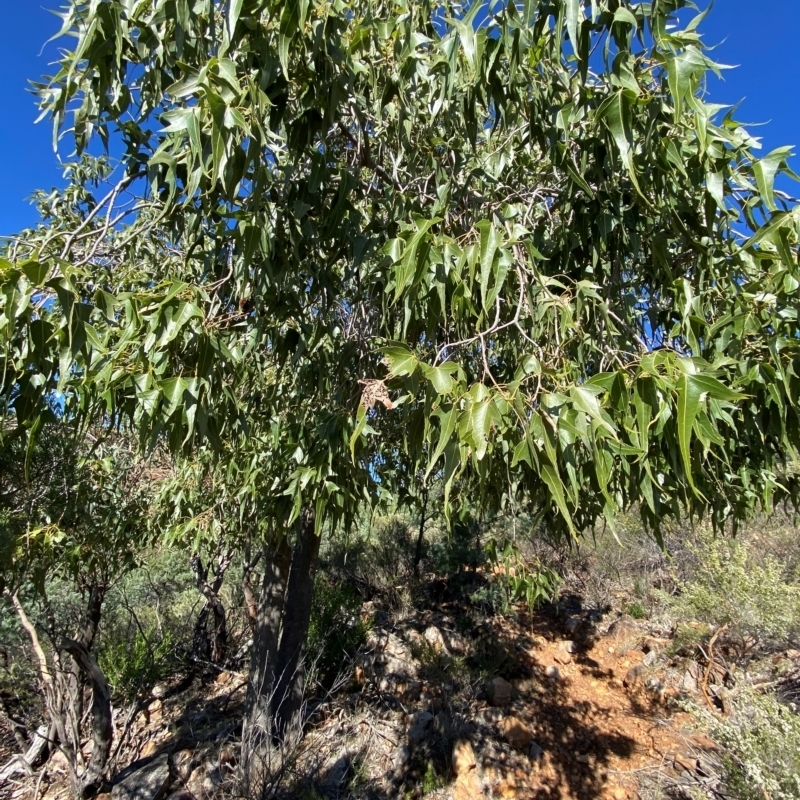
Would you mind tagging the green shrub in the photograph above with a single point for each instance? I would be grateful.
(336, 629)
(727, 586)
(514, 579)
(761, 747)
(134, 667)
(635, 609)
(453, 552)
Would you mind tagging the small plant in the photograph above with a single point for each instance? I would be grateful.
(335, 631)
(635, 609)
(730, 587)
(513, 579)
(761, 745)
(432, 781)
(133, 667)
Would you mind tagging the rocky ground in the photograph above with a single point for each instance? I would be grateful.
(569, 704)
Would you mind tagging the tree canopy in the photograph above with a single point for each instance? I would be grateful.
(510, 246)
(334, 251)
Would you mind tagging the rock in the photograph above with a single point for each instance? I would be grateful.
(650, 658)
(182, 763)
(409, 691)
(196, 783)
(561, 657)
(401, 757)
(155, 706)
(500, 692)
(143, 782)
(149, 750)
(468, 787)
(160, 690)
(491, 716)
(392, 656)
(227, 758)
(336, 775)
(463, 757)
(223, 678)
(653, 644)
(433, 636)
(516, 733)
(583, 758)
(685, 764)
(568, 646)
(691, 679)
(535, 752)
(552, 673)
(623, 628)
(573, 624)
(633, 676)
(418, 730)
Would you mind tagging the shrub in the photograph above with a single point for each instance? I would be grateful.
(514, 579)
(336, 630)
(134, 667)
(729, 587)
(761, 747)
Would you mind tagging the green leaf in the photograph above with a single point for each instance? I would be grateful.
(178, 318)
(624, 15)
(234, 11)
(35, 271)
(765, 169)
(440, 377)
(490, 240)
(615, 112)
(361, 423)
(586, 400)
(407, 268)
(447, 424)
(690, 396)
(553, 481)
(399, 358)
(573, 16)
(691, 390)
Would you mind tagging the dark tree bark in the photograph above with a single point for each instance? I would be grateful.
(288, 697)
(275, 695)
(85, 638)
(263, 666)
(421, 534)
(102, 728)
(214, 648)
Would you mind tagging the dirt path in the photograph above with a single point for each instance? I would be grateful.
(601, 717)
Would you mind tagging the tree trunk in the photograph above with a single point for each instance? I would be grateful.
(277, 562)
(288, 696)
(215, 648)
(273, 721)
(63, 693)
(85, 638)
(250, 602)
(102, 729)
(421, 534)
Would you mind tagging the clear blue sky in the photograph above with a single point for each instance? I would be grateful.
(759, 37)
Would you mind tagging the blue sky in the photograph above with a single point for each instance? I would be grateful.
(758, 37)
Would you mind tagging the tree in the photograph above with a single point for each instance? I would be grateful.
(73, 511)
(509, 246)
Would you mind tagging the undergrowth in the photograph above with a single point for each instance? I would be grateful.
(761, 747)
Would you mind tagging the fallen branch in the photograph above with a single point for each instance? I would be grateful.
(710, 667)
